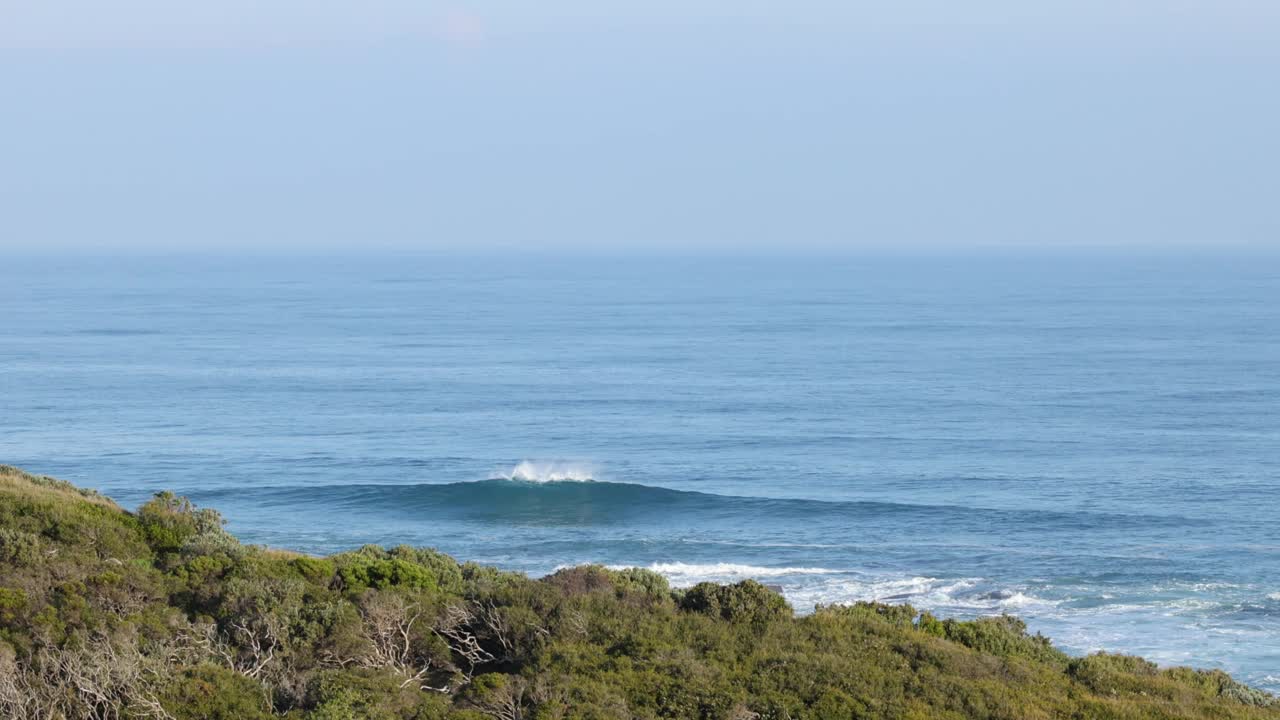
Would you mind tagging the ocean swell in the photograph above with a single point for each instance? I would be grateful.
(552, 494)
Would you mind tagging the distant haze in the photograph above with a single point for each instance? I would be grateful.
(584, 126)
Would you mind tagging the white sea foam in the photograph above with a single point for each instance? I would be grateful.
(964, 596)
(919, 590)
(1019, 600)
(806, 587)
(529, 471)
(685, 574)
(1274, 596)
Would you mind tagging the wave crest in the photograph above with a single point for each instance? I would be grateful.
(540, 472)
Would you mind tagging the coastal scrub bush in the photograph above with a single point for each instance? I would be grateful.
(170, 521)
(315, 570)
(212, 692)
(903, 616)
(581, 580)
(642, 582)
(744, 602)
(360, 572)
(12, 603)
(1002, 636)
(19, 547)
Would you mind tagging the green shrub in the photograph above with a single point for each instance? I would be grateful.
(1104, 672)
(642, 582)
(315, 570)
(902, 616)
(168, 521)
(18, 547)
(1239, 692)
(744, 602)
(1002, 636)
(361, 573)
(581, 580)
(931, 625)
(209, 692)
(367, 695)
(12, 603)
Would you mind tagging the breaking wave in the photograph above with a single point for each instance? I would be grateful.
(542, 472)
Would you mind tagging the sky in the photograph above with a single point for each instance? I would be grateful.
(587, 126)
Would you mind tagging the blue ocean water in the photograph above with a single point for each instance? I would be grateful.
(1092, 443)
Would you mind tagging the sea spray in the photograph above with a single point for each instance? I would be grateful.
(529, 471)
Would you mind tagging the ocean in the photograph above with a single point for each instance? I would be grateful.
(1091, 442)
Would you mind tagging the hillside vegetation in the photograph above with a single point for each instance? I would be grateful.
(161, 614)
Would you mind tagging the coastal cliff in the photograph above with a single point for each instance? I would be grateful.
(160, 613)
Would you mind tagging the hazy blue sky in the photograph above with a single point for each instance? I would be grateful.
(576, 124)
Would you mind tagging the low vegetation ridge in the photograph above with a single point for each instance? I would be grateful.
(160, 613)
